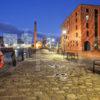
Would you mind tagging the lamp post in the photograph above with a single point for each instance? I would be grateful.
(64, 34)
(96, 43)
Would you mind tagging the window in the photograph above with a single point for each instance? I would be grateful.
(96, 22)
(87, 25)
(96, 12)
(87, 17)
(76, 34)
(76, 27)
(76, 13)
(76, 20)
(76, 43)
(87, 10)
(68, 45)
(87, 34)
(71, 41)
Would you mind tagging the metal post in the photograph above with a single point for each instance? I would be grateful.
(93, 66)
(64, 47)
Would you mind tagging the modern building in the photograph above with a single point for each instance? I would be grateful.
(9, 39)
(81, 30)
(27, 38)
(51, 42)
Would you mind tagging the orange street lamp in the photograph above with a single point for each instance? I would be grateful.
(64, 34)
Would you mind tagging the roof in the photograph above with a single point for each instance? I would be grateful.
(77, 8)
(89, 5)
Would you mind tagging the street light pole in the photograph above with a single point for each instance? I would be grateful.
(64, 43)
(96, 43)
(64, 34)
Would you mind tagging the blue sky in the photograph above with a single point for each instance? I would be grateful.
(49, 14)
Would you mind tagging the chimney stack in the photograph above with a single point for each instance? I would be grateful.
(35, 34)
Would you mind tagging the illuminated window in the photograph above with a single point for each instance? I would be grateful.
(68, 45)
(87, 17)
(76, 34)
(76, 43)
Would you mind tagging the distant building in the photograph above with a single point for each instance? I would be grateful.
(27, 38)
(10, 39)
(1, 41)
(82, 29)
(51, 42)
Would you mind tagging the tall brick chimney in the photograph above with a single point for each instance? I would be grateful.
(35, 34)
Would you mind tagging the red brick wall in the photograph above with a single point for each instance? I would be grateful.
(99, 29)
(70, 23)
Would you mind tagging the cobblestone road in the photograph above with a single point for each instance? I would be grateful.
(47, 76)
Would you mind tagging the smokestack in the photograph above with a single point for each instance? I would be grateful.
(35, 34)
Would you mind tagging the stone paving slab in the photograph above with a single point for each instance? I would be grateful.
(25, 83)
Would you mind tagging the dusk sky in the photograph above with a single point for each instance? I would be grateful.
(49, 14)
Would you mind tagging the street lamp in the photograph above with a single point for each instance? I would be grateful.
(64, 34)
(96, 43)
(87, 17)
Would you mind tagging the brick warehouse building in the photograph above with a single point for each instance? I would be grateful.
(82, 29)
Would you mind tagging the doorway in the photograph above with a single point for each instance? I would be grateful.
(87, 46)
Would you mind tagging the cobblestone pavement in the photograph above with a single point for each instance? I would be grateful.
(46, 76)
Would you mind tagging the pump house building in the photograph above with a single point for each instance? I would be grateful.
(81, 30)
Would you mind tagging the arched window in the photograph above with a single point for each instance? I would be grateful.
(87, 10)
(87, 33)
(76, 34)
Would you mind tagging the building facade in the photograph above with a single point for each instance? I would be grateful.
(27, 38)
(1, 41)
(9, 39)
(82, 29)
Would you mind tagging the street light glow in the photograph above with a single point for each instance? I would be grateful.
(63, 31)
(87, 17)
(53, 40)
